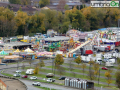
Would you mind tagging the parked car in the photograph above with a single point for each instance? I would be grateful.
(18, 71)
(49, 75)
(24, 76)
(50, 80)
(62, 78)
(104, 68)
(33, 77)
(16, 75)
(36, 83)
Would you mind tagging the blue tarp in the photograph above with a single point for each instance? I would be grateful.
(102, 29)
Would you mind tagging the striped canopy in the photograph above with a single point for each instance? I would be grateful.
(12, 57)
(3, 53)
(44, 53)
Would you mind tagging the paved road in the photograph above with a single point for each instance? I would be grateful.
(48, 85)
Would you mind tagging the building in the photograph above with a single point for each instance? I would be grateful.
(4, 1)
(57, 1)
(15, 7)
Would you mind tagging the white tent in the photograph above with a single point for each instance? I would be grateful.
(28, 50)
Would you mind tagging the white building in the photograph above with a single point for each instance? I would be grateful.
(4, 1)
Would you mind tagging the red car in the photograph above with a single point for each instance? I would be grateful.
(104, 68)
(24, 76)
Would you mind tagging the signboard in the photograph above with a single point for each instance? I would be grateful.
(20, 36)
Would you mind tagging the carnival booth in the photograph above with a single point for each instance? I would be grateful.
(73, 34)
(39, 54)
(3, 53)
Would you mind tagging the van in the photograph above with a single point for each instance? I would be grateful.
(29, 71)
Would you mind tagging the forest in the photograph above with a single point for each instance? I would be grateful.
(85, 19)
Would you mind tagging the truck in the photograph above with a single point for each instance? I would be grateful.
(29, 71)
(88, 58)
(101, 48)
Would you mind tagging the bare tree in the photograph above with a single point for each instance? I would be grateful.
(61, 70)
(74, 74)
(70, 65)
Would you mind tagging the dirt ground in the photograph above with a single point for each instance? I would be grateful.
(13, 84)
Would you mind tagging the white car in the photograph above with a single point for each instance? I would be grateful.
(33, 77)
(50, 80)
(18, 71)
(16, 75)
(36, 83)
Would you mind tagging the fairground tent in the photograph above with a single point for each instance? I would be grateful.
(3, 53)
(28, 50)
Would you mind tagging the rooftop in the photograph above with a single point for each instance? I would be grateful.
(57, 38)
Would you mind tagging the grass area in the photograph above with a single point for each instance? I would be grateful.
(73, 75)
(69, 74)
(9, 75)
(87, 67)
(106, 86)
(95, 84)
(45, 88)
(80, 71)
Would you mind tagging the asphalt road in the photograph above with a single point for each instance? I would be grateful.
(47, 62)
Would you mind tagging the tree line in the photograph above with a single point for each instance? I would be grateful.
(86, 19)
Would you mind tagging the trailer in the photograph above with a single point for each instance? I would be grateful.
(107, 56)
(102, 48)
(109, 64)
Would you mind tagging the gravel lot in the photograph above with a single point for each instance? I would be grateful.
(13, 84)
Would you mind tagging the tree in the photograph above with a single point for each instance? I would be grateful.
(59, 59)
(78, 60)
(78, 7)
(118, 79)
(108, 75)
(96, 68)
(50, 19)
(30, 62)
(83, 66)
(15, 1)
(41, 64)
(25, 2)
(94, 55)
(66, 7)
(23, 66)
(36, 70)
(7, 23)
(36, 24)
(76, 17)
(61, 70)
(43, 3)
(22, 20)
(74, 74)
(70, 65)
(91, 73)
